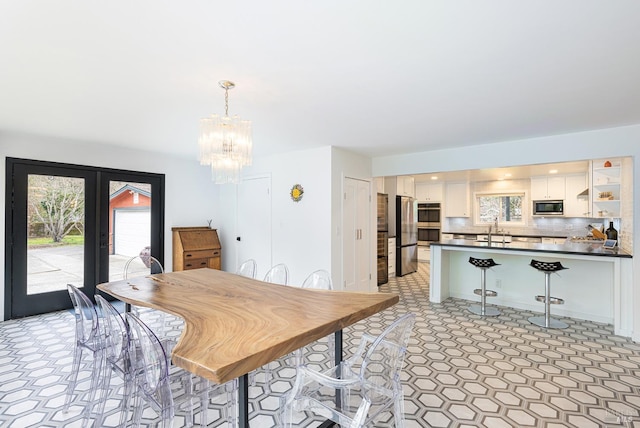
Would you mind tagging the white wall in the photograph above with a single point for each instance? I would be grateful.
(307, 234)
(189, 193)
(604, 143)
(301, 231)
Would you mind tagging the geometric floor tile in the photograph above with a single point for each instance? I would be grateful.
(461, 370)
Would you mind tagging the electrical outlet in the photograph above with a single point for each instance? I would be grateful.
(498, 283)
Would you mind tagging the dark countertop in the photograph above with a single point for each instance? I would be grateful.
(581, 248)
(514, 235)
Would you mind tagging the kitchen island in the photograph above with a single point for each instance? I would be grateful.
(597, 285)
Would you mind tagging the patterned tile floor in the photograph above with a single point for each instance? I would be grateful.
(462, 370)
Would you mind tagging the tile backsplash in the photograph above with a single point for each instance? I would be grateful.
(556, 227)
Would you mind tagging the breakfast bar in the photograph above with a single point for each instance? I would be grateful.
(597, 285)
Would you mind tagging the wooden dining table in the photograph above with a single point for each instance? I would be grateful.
(234, 325)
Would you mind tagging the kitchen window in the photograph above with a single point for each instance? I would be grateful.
(507, 208)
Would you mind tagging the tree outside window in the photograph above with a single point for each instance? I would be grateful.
(506, 208)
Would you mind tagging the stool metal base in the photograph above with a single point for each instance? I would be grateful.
(488, 311)
(553, 323)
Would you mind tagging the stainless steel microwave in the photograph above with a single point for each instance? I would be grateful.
(543, 208)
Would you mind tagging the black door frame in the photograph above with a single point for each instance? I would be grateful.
(96, 232)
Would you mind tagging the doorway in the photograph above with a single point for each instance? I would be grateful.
(61, 227)
(356, 241)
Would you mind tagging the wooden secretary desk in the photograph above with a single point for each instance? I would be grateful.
(195, 247)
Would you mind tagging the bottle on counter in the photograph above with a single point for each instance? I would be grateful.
(611, 232)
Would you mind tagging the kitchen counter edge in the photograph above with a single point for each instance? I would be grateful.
(581, 248)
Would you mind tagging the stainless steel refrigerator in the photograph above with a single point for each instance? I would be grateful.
(406, 236)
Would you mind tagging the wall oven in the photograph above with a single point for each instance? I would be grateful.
(428, 212)
(428, 223)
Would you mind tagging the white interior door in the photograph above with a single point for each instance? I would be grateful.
(254, 223)
(356, 223)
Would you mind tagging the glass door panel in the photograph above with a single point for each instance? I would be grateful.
(55, 233)
(129, 225)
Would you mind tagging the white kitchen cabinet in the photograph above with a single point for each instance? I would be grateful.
(392, 257)
(547, 188)
(606, 188)
(424, 255)
(576, 201)
(429, 192)
(405, 186)
(456, 202)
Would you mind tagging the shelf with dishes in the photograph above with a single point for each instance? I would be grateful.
(605, 178)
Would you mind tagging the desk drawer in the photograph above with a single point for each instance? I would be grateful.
(202, 254)
(195, 263)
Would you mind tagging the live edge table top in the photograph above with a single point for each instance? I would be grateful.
(234, 324)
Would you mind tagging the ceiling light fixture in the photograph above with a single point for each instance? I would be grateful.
(225, 142)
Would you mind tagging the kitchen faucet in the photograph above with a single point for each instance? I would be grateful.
(489, 236)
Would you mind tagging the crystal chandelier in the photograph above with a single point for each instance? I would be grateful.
(225, 142)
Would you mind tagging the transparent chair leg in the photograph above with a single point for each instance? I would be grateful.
(73, 377)
(98, 391)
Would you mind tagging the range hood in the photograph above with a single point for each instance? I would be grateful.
(585, 192)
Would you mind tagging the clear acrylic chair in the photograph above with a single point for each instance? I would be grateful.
(248, 268)
(89, 339)
(144, 265)
(116, 360)
(154, 383)
(367, 384)
(318, 280)
(278, 274)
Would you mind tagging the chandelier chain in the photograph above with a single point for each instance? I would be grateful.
(226, 102)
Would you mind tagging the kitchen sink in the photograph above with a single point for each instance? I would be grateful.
(498, 238)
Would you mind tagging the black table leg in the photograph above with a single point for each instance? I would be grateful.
(243, 401)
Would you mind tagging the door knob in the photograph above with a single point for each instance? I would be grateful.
(238, 239)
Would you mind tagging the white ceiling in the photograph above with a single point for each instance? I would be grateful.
(376, 77)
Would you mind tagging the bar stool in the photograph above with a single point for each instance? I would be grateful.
(546, 321)
(482, 309)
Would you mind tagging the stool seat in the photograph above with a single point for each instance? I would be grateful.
(482, 309)
(483, 263)
(546, 321)
(547, 266)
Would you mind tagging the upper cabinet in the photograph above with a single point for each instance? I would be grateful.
(547, 188)
(429, 192)
(576, 202)
(405, 186)
(605, 176)
(457, 202)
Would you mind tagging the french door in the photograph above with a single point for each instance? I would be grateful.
(72, 224)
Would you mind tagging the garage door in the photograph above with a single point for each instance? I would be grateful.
(132, 231)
